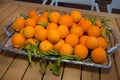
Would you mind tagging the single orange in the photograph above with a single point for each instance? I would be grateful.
(52, 26)
(30, 22)
(85, 24)
(82, 39)
(41, 34)
(37, 27)
(102, 43)
(32, 13)
(28, 32)
(72, 39)
(98, 55)
(31, 40)
(91, 42)
(94, 31)
(54, 17)
(63, 30)
(98, 23)
(66, 20)
(58, 44)
(53, 35)
(66, 49)
(17, 40)
(81, 51)
(76, 15)
(42, 19)
(45, 45)
(77, 30)
(18, 24)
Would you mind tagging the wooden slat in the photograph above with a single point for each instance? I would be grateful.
(50, 76)
(33, 71)
(6, 59)
(17, 68)
(72, 72)
(3, 6)
(91, 72)
(110, 74)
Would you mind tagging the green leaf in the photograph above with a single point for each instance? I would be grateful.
(51, 65)
(29, 55)
(104, 35)
(43, 65)
(24, 16)
(44, 24)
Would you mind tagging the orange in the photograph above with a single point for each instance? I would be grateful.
(28, 32)
(81, 51)
(63, 30)
(76, 15)
(77, 30)
(66, 20)
(45, 45)
(30, 22)
(72, 39)
(37, 27)
(35, 17)
(18, 24)
(32, 13)
(85, 24)
(53, 35)
(52, 26)
(31, 40)
(66, 49)
(98, 23)
(17, 40)
(21, 31)
(41, 34)
(91, 42)
(54, 17)
(58, 44)
(98, 55)
(94, 31)
(103, 31)
(82, 39)
(42, 19)
(102, 43)
(45, 14)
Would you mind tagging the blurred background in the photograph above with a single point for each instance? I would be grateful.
(101, 3)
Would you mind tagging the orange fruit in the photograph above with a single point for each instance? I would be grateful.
(41, 34)
(17, 40)
(63, 30)
(85, 24)
(76, 15)
(103, 30)
(102, 43)
(98, 23)
(81, 51)
(18, 24)
(52, 26)
(54, 17)
(30, 22)
(58, 44)
(77, 30)
(37, 27)
(66, 20)
(66, 49)
(32, 13)
(82, 39)
(28, 32)
(45, 45)
(72, 39)
(42, 19)
(35, 17)
(94, 31)
(53, 35)
(31, 40)
(98, 55)
(45, 14)
(21, 31)
(91, 42)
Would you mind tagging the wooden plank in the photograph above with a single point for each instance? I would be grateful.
(91, 72)
(50, 76)
(72, 72)
(33, 71)
(6, 59)
(17, 68)
(4, 6)
(8, 11)
(110, 74)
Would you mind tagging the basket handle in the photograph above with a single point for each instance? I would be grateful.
(117, 45)
(6, 27)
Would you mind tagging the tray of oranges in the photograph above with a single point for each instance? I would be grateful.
(70, 38)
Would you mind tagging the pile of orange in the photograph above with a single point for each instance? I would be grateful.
(67, 33)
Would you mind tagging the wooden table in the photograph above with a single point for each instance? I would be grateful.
(16, 67)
